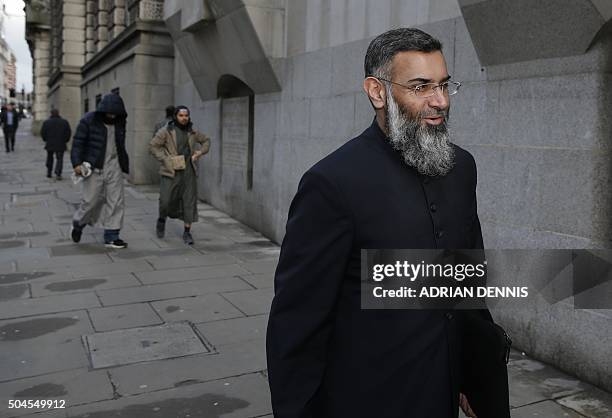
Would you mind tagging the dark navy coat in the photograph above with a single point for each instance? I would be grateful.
(89, 142)
(327, 358)
(56, 133)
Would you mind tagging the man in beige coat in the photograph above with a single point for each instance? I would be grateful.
(178, 147)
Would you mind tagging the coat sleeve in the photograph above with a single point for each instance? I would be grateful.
(204, 142)
(308, 278)
(157, 146)
(68, 132)
(79, 143)
(43, 131)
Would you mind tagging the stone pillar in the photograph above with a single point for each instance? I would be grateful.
(117, 18)
(102, 24)
(90, 29)
(40, 67)
(73, 33)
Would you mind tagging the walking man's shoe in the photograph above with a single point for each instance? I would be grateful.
(118, 243)
(49, 175)
(59, 177)
(187, 238)
(160, 228)
(76, 232)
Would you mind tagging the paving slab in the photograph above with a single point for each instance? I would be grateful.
(190, 274)
(43, 344)
(546, 409)
(66, 261)
(82, 284)
(124, 316)
(190, 260)
(251, 302)
(14, 291)
(165, 291)
(49, 304)
(75, 387)
(239, 397)
(197, 309)
(235, 331)
(231, 360)
(535, 382)
(134, 345)
(592, 403)
(259, 267)
(260, 281)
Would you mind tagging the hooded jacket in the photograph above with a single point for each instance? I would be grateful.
(90, 138)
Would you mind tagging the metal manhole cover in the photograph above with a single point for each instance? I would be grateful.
(126, 346)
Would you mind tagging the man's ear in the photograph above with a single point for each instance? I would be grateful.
(375, 91)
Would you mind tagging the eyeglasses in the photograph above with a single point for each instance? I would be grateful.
(429, 89)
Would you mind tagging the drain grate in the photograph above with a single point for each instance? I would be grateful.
(127, 346)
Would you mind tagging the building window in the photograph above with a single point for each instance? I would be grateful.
(85, 105)
(98, 99)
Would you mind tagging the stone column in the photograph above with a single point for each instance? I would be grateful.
(117, 18)
(40, 66)
(90, 29)
(73, 33)
(102, 28)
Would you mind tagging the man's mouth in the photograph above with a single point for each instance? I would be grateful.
(433, 120)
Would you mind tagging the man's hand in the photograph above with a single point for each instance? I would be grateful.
(196, 155)
(77, 170)
(465, 406)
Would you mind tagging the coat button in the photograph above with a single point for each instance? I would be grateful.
(449, 315)
(433, 207)
(439, 234)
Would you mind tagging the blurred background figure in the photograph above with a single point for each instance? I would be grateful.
(56, 133)
(9, 119)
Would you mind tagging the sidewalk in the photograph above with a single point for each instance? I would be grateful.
(159, 329)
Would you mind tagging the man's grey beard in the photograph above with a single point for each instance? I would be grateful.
(425, 148)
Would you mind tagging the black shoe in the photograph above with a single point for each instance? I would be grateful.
(187, 238)
(49, 175)
(118, 243)
(76, 232)
(160, 228)
(59, 177)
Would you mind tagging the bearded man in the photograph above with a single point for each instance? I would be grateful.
(400, 184)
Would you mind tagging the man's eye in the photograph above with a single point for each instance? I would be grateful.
(420, 87)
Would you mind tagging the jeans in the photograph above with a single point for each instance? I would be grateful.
(9, 138)
(111, 235)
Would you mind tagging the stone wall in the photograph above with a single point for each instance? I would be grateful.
(539, 130)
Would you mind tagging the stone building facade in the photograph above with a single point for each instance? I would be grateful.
(276, 84)
(83, 49)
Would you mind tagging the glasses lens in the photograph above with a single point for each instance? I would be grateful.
(453, 88)
(425, 90)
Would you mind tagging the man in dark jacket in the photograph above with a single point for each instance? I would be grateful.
(99, 155)
(9, 119)
(55, 132)
(400, 184)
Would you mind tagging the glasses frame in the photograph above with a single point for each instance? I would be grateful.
(442, 86)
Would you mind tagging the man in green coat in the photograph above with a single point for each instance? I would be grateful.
(178, 146)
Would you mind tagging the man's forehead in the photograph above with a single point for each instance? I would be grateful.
(409, 65)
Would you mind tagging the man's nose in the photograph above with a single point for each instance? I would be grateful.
(439, 100)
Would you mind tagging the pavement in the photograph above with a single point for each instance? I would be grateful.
(159, 329)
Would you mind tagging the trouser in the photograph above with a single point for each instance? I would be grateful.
(59, 159)
(102, 203)
(9, 138)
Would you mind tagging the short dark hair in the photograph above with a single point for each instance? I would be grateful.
(169, 111)
(383, 48)
(54, 113)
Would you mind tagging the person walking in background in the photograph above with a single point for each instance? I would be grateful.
(56, 133)
(99, 155)
(9, 119)
(178, 147)
(169, 115)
